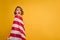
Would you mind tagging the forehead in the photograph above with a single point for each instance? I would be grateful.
(18, 8)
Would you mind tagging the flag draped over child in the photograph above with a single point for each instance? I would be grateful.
(18, 30)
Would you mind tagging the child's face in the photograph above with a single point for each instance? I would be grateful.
(18, 11)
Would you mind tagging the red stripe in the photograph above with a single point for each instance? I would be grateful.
(17, 29)
(18, 36)
(18, 23)
(19, 17)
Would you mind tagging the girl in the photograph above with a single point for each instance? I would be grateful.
(18, 31)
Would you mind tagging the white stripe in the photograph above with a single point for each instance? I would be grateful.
(17, 26)
(17, 32)
(14, 38)
(16, 19)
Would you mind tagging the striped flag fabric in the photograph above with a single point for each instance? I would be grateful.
(18, 30)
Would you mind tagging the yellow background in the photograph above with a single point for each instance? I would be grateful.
(41, 18)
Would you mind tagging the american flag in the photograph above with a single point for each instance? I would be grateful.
(18, 30)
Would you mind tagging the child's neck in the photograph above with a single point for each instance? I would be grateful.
(19, 15)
